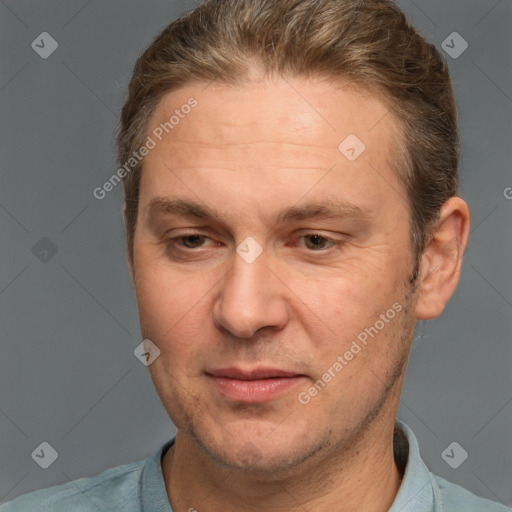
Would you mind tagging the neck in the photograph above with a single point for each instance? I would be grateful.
(362, 476)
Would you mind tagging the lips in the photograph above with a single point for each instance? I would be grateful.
(255, 374)
(253, 386)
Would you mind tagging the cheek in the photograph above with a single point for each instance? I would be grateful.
(169, 304)
(347, 322)
(351, 299)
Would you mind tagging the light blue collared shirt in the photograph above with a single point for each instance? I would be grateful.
(139, 487)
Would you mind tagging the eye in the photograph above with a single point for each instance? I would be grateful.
(188, 241)
(191, 241)
(317, 242)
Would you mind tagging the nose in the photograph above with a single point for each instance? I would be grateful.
(251, 297)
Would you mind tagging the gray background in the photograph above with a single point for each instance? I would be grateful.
(68, 375)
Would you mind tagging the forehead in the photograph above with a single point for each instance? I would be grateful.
(297, 117)
(274, 138)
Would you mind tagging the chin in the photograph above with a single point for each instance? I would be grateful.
(257, 451)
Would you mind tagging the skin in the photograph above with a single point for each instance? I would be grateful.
(248, 152)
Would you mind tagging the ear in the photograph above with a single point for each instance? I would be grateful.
(441, 261)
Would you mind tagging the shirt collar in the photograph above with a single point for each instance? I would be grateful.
(152, 487)
(418, 491)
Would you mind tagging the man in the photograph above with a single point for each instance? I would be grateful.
(290, 173)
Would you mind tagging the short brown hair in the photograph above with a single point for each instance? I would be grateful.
(367, 42)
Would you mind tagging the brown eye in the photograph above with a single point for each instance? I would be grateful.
(193, 240)
(316, 241)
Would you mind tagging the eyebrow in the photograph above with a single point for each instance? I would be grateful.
(327, 208)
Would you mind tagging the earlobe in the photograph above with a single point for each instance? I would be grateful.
(441, 262)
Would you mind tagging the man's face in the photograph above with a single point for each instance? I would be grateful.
(326, 301)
